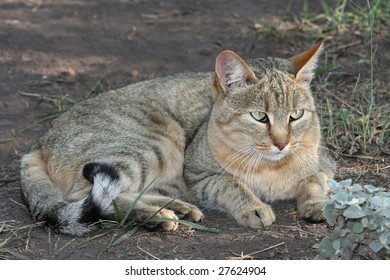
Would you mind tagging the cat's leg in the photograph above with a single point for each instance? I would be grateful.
(235, 198)
(153, 206)
(170, 193)
(312, 192)
(143, 212)
(181, 208)
(176, 188)
(161, 200)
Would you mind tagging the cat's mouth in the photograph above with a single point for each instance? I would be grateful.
(273, 153)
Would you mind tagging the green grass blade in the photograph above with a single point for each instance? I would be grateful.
(134, 204)
(125, 236)
(325, 8)
(118, 212)
(89, 93)
(109, 224)
(305, 15)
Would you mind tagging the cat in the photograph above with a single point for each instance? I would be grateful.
(248, 132)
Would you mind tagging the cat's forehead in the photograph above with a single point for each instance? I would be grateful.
(266, 66)
(275, 91)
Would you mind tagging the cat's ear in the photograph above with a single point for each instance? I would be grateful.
(231, 71)
(305, 63)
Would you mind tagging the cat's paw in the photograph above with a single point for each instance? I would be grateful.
(184, 209)
(170, 225)
(192, 212)
(175, 210)
(311, 211)
(255, 216)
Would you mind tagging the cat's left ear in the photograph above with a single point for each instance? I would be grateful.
(232, 71)
(305, 63)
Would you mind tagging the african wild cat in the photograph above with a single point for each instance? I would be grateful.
(245, 134)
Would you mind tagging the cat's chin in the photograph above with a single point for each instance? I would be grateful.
(275, 156)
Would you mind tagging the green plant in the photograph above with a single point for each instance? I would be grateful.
(361, 124)
(361, 220)
(347, 16)
(130, 226)
(363, 128)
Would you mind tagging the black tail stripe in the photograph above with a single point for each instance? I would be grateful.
(91, 169)
(90, 212)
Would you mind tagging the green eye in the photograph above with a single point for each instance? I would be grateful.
(296, 115)
(260, 117)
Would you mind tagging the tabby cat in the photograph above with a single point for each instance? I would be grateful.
(232, 139)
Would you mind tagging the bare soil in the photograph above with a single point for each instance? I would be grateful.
(54, 53)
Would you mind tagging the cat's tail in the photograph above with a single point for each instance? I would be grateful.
(46, 200)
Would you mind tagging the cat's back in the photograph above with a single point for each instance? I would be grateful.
(175, 93)
(179, 101)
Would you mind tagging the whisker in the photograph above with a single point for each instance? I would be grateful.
(233, 159)
(241, 154)
(252, 167)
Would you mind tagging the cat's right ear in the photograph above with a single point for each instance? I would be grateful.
(232, 71)
(305, 63)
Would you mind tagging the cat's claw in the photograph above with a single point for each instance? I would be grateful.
(258, 216)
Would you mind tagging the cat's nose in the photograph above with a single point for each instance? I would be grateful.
(281, 146)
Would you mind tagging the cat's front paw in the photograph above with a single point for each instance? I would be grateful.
(255, 216)
(311, 211)
(170, 224)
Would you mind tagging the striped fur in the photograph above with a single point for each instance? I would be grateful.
(192, 135)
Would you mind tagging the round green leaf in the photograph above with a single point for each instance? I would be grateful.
(384, 238)
(365, 222)
(354, 212)
(345, 183)
(355, 188)
(386, 202)
(375, 246)
(326, 248)
(373, 226)
(332, 184)
(341, 197)
(371, 188)
(376, 201)
(358, 228)
(336, 244)
(330, 213)
(386, 212)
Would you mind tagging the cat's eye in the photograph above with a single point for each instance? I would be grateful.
(296, 115)
(260, 117)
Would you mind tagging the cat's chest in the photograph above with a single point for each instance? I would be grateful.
(274, 184)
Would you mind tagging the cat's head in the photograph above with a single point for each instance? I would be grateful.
(264, 107)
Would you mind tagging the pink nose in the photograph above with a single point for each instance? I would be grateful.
(281, 146)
